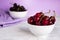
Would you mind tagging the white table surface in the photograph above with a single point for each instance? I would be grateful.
(19, 31)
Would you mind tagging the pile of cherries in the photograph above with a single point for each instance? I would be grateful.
(17, 8)
(41, 19)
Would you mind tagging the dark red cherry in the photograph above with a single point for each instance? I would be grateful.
(36, 18)
(39, 14)
(38, 23)
(45, 20)
(50, 22)
(52, 19)
(30, 20)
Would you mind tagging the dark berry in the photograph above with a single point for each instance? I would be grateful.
(15, 5)
(22, 8)
(11, 8)
(18, 8)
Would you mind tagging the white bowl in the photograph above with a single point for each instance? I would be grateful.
(18, 14)
(41, 30)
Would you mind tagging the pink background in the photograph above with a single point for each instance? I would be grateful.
(33, 6)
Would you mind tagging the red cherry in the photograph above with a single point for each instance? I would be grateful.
(30, 20)
(38, 23)
(52, 20)
(45, 20)
(36, 18)
(39, 14)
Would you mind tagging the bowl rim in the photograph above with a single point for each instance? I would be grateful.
(18, 11)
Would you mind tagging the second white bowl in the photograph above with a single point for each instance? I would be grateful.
(18, 14)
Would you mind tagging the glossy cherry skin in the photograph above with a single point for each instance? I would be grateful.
(38, 16)
(30, 20)
(52, 20)
(45, 20)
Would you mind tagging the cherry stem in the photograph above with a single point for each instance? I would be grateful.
(41, 18)
(54, 13)
(49, 11)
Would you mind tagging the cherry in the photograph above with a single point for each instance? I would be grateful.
(45, 20)
(30, 20)
(36, 18)
(46, 17)
(41, 19)
(52, 20)
(37, 23)
(39, 14)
